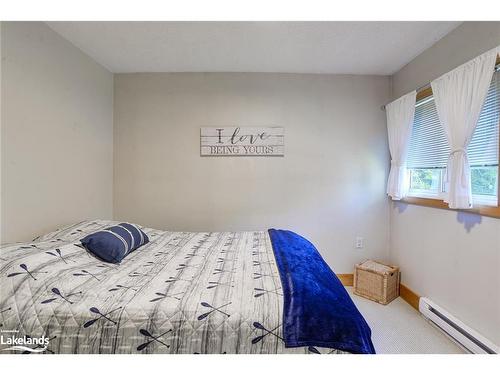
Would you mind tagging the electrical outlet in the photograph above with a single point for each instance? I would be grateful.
(360, 242)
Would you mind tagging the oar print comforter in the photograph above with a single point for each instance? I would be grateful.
(181, 293)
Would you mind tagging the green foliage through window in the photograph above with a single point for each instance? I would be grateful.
(425, 179)
(484, 180)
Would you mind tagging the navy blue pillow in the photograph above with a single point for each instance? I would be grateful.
(115, 243)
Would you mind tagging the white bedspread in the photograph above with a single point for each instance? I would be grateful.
(181, 293)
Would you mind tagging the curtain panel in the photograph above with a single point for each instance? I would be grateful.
(400, 114)
(459, 97)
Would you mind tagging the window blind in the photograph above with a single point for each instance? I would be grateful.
(428, 145)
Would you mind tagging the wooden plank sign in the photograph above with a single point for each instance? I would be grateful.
(236, 141)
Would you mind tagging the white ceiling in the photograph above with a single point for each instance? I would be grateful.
(380, 48)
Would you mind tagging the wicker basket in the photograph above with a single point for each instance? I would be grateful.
(376, 281)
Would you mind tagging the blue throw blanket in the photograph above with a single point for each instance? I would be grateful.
(317, 309)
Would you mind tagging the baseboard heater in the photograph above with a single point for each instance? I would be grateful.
(457, 330)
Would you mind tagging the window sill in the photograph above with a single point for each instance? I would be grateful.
(490, 211)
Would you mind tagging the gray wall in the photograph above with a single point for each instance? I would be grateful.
(452, 258)
(329, 186)
(57, 137)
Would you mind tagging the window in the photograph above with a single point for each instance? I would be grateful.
(429, 150)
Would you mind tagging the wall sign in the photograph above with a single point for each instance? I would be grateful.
(236, 141)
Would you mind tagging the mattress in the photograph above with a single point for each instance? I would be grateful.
(209, 292)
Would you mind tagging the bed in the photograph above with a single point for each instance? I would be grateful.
(187, 293)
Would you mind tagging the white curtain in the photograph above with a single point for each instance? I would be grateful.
(459, 97)
(400, 114)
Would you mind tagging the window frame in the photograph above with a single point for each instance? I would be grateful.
(437, 201)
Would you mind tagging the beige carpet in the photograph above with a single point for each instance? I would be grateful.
(397, 328)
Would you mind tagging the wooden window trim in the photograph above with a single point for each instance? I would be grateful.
(490, 211)
(424, 93)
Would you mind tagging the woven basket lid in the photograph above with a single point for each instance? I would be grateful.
(376, 267)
